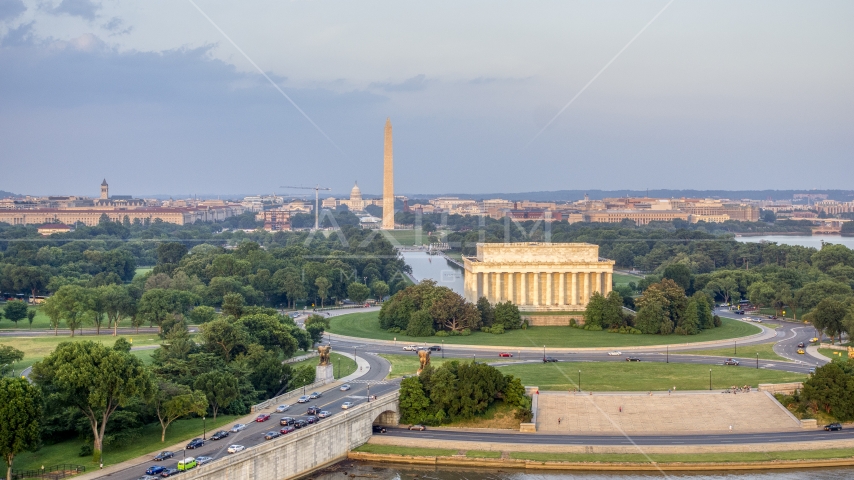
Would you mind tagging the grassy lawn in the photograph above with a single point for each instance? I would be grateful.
(642, 376)
(498, 415)
(413, 451)
(343, 365)
(408, 363)
(482, 454)
(366, 325)
(765, 351)
(833, 354)
(686, 458)
(142, 271)
(40, 322)
(36, 348)
(407, 237)
(148, 442)
(624, 279)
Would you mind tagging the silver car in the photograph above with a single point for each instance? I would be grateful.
(282, 408)
(237, 427)
(303, 399)
(347, 405)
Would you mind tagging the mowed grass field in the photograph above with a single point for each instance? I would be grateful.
(624, 279)
(343, 365)
(366, 325)
(765, 351)
(642, 376)
(36, 348)
(39, 322)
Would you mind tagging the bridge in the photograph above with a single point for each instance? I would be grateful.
(305, 450)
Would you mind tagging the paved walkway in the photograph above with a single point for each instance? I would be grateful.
(676, 413)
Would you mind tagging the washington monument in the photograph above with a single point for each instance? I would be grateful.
(388, 180)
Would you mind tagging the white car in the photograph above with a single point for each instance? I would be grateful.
(282, 408)
(237, 427)
(615, 354)
(411, 348)
(347, 405)
(236, 448)
(324, 414)
(345, 387)
(303, 399)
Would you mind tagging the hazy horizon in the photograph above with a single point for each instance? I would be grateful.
(483, 96)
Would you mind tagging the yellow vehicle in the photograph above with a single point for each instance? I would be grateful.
(813, 339)
(187, 464)
(801, 351)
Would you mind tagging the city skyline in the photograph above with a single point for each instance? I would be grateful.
(162, 99)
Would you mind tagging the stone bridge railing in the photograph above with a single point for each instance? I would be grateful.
(305, 450)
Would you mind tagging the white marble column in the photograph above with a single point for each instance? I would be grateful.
(523, 289)
(573, 288)
(587, 286)
(609, 282)
(561, 284)
(487, 284)
(537, 288)
(549, 289)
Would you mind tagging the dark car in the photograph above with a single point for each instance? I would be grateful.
(435, 348)
(313, 410)
(163, 456)
(731, 361)
(311, 419)
(219, 435)
(315, 395)
(300, 423)
(286, 421)
(286, 430)
(833, 426)
(272, 435)
(195, 443)
(549, 359)
(169, 472)
(801, 345)
(378, 429)
(739, 312)
(633, 359)
(155, 470)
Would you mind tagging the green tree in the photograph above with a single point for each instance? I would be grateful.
(225, 338)
(420, 325)
(679, 273)
(117, 303)
(31, 315)
(173, 401)
(413, 402)
(232, 304)
(95, 380)
(16, 310)
(219, 388)
(832, 255)
(451, 311)
(829, 388)
(507, 315)
(829, 317)
(317, 319)
(380, 289)
(358, 292)
(8, 356)
(155, 305)
(650, 318)
(69, 303)
(21, 411)
(487, 312)
(322, 284)
(202, 314)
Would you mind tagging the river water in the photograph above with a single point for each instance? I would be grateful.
(450, 275)
(378, 471)
(802, 240)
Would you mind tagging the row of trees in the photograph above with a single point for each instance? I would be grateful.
(457, 391)
(826, 393)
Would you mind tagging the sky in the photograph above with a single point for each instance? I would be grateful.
(208, 97)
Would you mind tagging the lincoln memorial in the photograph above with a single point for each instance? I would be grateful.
(537, 277)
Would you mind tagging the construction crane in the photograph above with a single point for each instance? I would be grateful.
(316, 189)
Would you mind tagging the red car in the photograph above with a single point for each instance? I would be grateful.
(263, 417)
(505, 354)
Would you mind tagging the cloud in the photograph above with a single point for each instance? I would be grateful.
(10, 9)
(19, 36)
(117, 26)
(86, 9)
(414, 84)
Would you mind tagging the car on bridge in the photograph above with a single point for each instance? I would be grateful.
(311, 419)
(195, 443)
(347, 405)
(187, 464)
(165, 454)
(300, 423)
(271, 435)
(169, 472)
(315, 395)
(314, 410)
(288, 429)
(238, 427)
(155, 470)
(303, 399)
(263, 417)
(203, 460)
(324, 414)
(633, 359)
(505, 354)
(236, 448)
(148, 477)
(731, 361)
(282, 408)
(285, 421)
(219, 435)
(345, 387)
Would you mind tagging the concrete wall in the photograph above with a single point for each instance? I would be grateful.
(305, 450)
(786, 388)
(553, 320)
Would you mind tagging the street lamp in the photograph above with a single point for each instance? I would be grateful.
(544, 353)
(443, 348)
(710, 379)
(369, 392)
(475, 357)
(668, 354)
(735, 347)
(579, 381)
(205, 428)
(757, 360)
